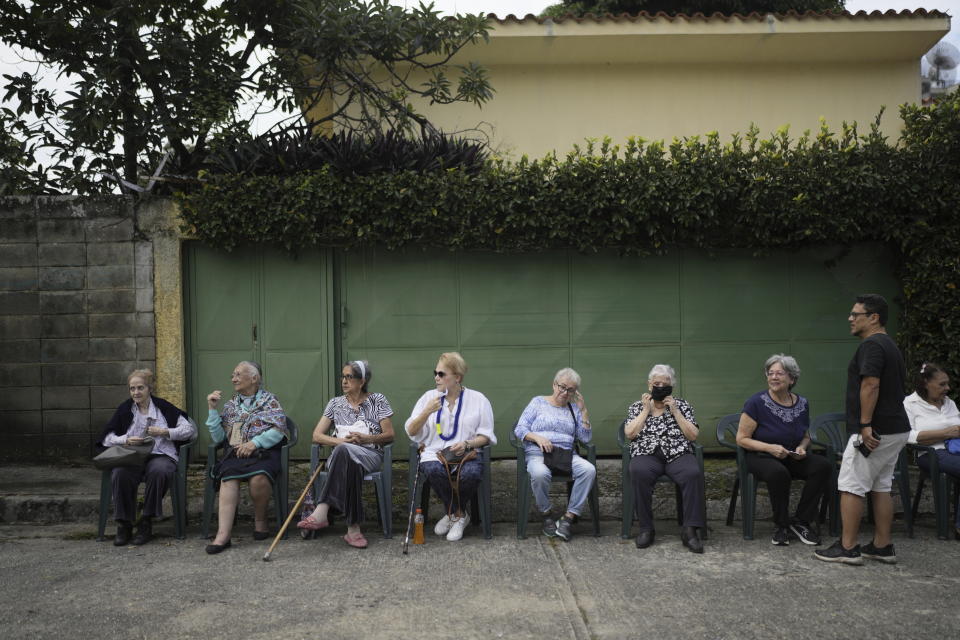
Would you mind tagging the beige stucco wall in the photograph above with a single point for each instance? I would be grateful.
(559, 83)
(541, 108)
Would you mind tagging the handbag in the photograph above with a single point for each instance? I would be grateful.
(559, 461)
(124, 455)
(450, 456)
(953, 445)
(360, 426)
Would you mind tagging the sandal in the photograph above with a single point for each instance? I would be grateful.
(355, 540)
(312, 524)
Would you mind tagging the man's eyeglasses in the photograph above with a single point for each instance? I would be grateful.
(564, 388)
(349, 376)
(439, 374)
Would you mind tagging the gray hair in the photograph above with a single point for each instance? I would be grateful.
(789, 364)
(365, 375)
(663, 370)
(255, 370)
(569, 375)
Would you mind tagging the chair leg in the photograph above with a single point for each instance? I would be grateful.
(679, 501)
(733, 501)
(523, 502)
(918, 494)
(749, 502)
(486, 506)
(106, 491)
(209, 495)
(595, 508)
(627, 509)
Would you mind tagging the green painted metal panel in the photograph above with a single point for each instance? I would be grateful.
(398, 299)
(264, 306)
(506, 302)
(613, 300)
(517, 319)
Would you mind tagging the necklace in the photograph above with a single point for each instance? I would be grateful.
(456, 419)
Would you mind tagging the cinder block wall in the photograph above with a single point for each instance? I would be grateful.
(76, 316)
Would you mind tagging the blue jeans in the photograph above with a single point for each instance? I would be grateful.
(583, 475)
(949, 464)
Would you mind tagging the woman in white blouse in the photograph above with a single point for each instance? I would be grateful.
(450, 416)
(934, 418)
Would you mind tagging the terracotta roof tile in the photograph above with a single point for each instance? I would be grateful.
(699, 17)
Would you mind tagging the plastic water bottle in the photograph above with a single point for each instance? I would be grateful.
(418, 527)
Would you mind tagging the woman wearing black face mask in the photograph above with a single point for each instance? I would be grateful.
(661, 429)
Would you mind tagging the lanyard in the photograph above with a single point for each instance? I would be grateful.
(456, 419)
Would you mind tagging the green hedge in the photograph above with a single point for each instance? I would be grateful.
(646, 198)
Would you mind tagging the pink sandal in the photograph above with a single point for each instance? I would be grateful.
(312, 524)
(355, 540)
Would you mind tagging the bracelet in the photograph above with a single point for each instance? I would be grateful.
(864, 425)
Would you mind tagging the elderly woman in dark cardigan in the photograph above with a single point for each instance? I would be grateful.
(144, 415)
(255, 428)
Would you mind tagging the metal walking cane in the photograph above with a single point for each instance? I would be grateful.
(296, 507)
(413, 502)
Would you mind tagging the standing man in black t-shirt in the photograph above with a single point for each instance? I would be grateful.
(878, 428)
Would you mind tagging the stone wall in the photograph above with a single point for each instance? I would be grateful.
(76, 316)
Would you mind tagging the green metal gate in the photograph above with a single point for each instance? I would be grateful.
(519, 318)
(265, 306)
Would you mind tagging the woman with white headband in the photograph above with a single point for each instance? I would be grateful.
(362, 426)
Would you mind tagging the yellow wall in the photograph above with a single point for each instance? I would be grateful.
(559, 83)
(539, 108)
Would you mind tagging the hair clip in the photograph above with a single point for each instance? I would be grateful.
(923, 368)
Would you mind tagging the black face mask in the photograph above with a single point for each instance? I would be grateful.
(659, 393)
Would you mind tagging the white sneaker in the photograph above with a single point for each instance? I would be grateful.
(456, 530)
(443, 525)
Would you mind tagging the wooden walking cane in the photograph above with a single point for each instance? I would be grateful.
(293, 512)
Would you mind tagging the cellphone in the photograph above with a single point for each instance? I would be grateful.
(862, 448)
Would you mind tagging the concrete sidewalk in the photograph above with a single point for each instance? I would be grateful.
(55, 583)
(57, 580)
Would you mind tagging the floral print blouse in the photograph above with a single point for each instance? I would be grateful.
(662, 431)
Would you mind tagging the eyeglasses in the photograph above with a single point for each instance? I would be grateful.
(349, 376)
(564, 388)
(439, 374)
(854, 314)
(777, 374)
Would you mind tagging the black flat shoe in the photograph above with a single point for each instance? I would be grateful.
(124, 530)
(644, 539)
(217, 548)
(261, 535)
(691, 539)
(144, 532)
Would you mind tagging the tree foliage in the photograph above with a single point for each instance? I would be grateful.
(765, 195)
(152, 76)
(688, 7)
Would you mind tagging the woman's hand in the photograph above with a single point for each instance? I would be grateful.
(777, 451)
(246, 449)
(800, 452)
(541, 441)
(670, 403)
(358, 438)
(134, 441)
(459, 448)
(214, 399)
(158, 432)
(647, 401)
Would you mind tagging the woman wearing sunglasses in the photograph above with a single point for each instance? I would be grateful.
(555, 422)
(362, 425)
(452, 421)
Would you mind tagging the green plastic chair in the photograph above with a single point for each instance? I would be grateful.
(829, 430)
(178, 492)
(382, 481)
(524, 491)
(727, 437)
(941, 482)
(481, 511)
(629, 508)
(280, 486)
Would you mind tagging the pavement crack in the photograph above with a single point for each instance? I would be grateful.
(561, 581)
